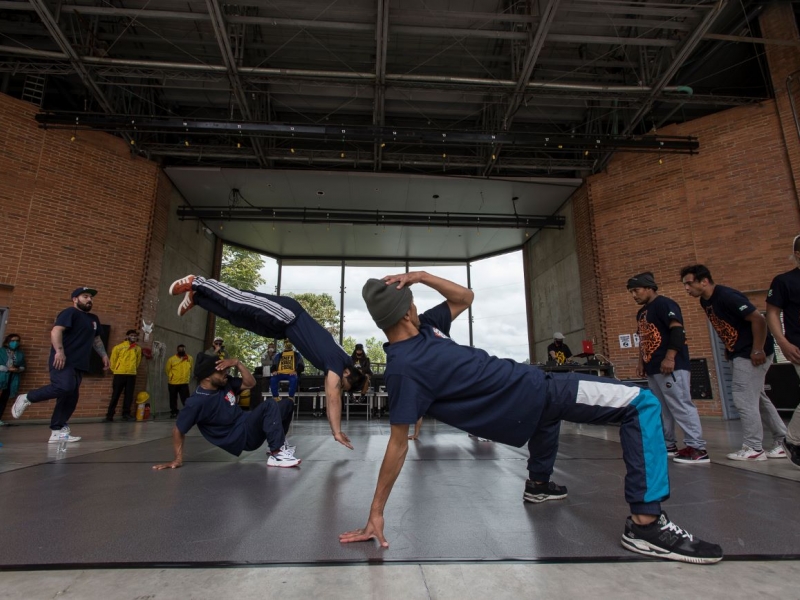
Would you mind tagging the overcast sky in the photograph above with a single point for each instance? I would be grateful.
(499, 324)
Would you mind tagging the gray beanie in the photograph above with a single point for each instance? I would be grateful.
(386, 304)
(643, 280)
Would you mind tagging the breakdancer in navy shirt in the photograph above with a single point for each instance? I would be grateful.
(514, 403)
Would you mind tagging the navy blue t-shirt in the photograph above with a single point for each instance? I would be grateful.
(784, 292)
(80, 330)
(726, 310)
(653, 328)
(217, 415)
(490, 397)
(317, 344)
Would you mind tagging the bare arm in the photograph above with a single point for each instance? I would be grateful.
(759, 326)
(457, 296)
(790, 351)
(390, 469)
(248, 381)
(57, 340)
(177, 443)
(333, 407)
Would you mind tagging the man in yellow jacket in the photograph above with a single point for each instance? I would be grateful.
(125, 359)
(179, 370)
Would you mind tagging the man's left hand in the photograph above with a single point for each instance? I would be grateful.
(227, 363)
(106, 364)
(342, 438)
(758, 357)
(373, 529)
(404, 279)
(667, 366)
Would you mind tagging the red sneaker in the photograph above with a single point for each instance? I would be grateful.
(186, 304)
(181, 286)
(691, 456)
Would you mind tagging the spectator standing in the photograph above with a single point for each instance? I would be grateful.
(12, 365)
(750, 349)
(664, 359)
(179, 370)
(783, 300)
(125, 359)
(75, 334)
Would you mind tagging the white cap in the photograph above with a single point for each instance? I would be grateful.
(558, 335)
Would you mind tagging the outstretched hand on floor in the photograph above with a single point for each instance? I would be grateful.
(342, 438)
(175, 464)
(373, 530)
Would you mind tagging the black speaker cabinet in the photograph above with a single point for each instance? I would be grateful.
(95, 362)
(699, 379)
(783, 386)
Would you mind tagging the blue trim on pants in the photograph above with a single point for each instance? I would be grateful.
(641, 436)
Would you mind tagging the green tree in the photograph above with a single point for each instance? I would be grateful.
(322, 309)
(241, 269)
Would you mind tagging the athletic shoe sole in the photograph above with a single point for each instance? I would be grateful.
(762, 457)
(646, 548)
(689, 461)
(781, 455)
(20, 404)
(181, 286)
(283, 464)
(69, 440)
(537, 498)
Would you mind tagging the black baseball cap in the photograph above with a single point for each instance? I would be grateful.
(84, 290)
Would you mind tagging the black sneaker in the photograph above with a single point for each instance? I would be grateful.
(542, 492)
(672, 450)
(127, 418)
(108, 420)
(792, 453)
(664, 539)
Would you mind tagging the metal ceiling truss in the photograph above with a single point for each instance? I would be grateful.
(379, 218)
(388, 135)
(607, 63)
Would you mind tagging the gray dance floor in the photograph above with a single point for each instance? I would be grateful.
(457, 499)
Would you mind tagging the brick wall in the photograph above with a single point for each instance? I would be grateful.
(733, 208)
(74, 213)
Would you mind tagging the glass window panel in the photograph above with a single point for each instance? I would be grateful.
(499, 315)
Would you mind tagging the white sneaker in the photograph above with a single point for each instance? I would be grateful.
(282, 459)
(777, 451)
(55, 436)
(747, 453)
(288, 449)
(20, 404)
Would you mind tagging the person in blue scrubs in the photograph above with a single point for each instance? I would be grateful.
(515, 404)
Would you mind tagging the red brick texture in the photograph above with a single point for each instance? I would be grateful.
(83, 212)
(733, 208)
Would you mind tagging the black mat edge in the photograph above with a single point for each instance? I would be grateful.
(377, 561)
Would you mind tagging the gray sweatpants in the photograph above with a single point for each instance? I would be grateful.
(677, 407)
(754, 406)
(793, 431)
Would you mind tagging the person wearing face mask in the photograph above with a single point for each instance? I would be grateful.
(12, 365)
(179, 371)
(75, 334)
(125, 359)
(361, 362)
(217, 348)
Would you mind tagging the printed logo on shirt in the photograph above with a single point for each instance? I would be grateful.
(727, 333)
(670, 314)
(769, 293)
(94, 325)
(438, 333)
(649, 338)
(231, 397)
(743, 307)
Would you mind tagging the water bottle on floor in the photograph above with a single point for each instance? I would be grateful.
(63, 437)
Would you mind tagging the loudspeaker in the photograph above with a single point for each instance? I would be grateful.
(699, 379)
(95, 362)
(783, 386)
